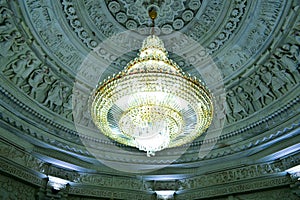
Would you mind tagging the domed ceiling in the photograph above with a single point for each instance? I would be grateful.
(53, 53)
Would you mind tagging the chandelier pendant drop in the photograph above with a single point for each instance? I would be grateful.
(152, 105)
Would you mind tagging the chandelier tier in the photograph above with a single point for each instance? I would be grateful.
(152, 105)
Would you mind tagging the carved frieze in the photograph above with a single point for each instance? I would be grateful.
(239, 174)
(46, 25)
(13, 189)
(282, 193)
(235, 188)
(271, 81)
(226, 182)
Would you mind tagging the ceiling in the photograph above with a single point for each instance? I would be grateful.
(53, 53)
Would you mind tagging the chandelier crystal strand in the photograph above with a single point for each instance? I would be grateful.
(152, 105)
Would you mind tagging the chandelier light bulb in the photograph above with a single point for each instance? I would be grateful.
(152, 105)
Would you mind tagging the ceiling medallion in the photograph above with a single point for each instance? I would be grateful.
(152, 104)
(173, 15)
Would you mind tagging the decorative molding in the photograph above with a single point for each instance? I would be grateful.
(235, 188)
(33, 167)
(20, 173)
(239, 174)
(99, 192)
(241, 184)
(77, 26)
(278, 193)
(13, 189)
(27, 167)
(230, 26)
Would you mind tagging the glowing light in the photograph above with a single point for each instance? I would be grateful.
(57, 183)
(152, 104)
(165, 194)
(293, 170)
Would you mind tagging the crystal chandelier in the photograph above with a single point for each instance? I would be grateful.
(152, 104)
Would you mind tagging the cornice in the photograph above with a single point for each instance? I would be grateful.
(25, 166)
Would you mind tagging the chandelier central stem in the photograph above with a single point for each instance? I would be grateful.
(152, 14)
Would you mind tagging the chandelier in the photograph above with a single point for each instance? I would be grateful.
(152, 104)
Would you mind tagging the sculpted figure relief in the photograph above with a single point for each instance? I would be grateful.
(19, 69)
(289, 58)
(81, 111)
(54, 96)
(67, 107)
(272, 81)
(284, 74)
(6, 23)
(39, 81)
(260, 91)
(229, 111)
(79, 102)
(11, 69)
(245, 99)
(11, 41)
(11, 44)
(236, 108)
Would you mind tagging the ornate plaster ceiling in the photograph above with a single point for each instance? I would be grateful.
(48, 48)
